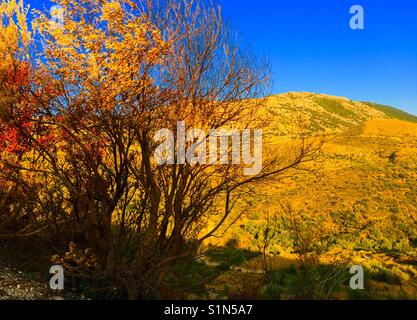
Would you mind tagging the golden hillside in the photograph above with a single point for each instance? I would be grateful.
(321, 112)
(364, 196)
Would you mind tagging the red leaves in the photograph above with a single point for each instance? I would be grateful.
(17, 76)
(21, 129)
(19, 125)
(11, 139)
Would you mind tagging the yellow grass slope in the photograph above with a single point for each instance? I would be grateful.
(367, 184)
(390, 128)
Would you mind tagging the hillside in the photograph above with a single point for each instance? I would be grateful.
(364, 196)
(392, 112)
(325, 113)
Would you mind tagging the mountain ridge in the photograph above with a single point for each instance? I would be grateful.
(323, 112)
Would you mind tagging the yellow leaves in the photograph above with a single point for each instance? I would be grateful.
(103, 48)
(25, 34)
(8, 8)
(93, 66)
(75, 260)
(15, 36)
(112, 12)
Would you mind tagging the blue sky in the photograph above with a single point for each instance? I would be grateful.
(312, 48)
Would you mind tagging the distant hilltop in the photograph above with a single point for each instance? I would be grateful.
(320, 112)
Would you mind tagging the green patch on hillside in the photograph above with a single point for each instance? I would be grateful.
(333, 106)
(392, 112)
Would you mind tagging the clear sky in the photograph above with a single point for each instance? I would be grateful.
(312, 47)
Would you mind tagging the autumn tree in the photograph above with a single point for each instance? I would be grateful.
(16, 195)
(84, 114)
